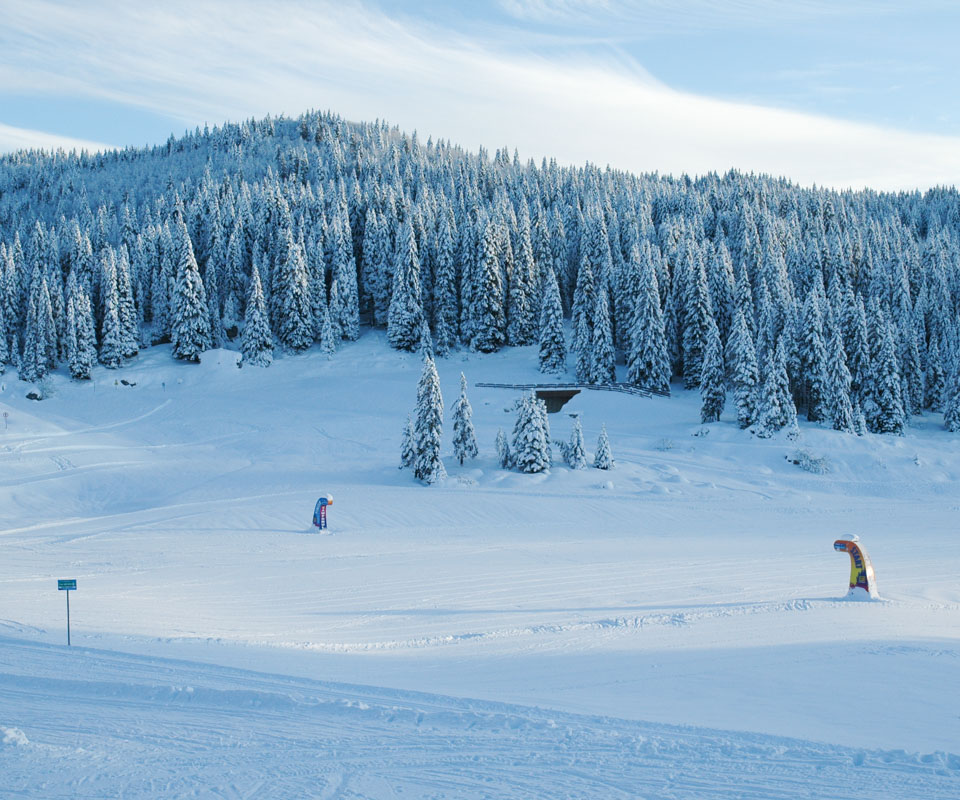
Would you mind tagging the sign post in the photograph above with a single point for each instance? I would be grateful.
(66, 585)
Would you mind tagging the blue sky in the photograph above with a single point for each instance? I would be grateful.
(838, 93)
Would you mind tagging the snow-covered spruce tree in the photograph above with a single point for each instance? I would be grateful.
(776, 409)
(347, 312)
(4, 347)
(553, 345)
(951, 412)
(603, 368)
(82, 343)
(522, 286)
(696, 323)
(446, 313)
(935, 382)
(603, 458)
(859, 421)
(838, 407)
(713, 390)
(647, 362)
(112, 335)
(504, 456)
(489, 316)
(38, 348)
(327, 337)
(126, 306)
(428, 426)
(256, 341)
(408, 450)
(531, 436)
(464, 438)
(576, 454)
(290, 306)
(405, 315)
(584, 304)
(190, 329)
(884, 410)
(744, 374)
(813, 359)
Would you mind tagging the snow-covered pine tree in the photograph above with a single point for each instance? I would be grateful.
(328, 338)
(256, 341)
(4, 347)
(584, 305)
(776, 408)
(38, 349)
(521, 289)
(408, 452)
(112, 335)
(696, 322)
(290, 302)
(935, 382)
(464, 438)
(82, 344)
(428, 426)
(126, 305)
(553, 345)
(742, 364)
(530, 449)
(812, 353)
(603, 368)
(884, 407)
(190, 329)
(446, 311)
(504, 456)
(489, 316)
(647, 362)
(344, 268)
(837, 407)
(603, 458)
(951, 411)
(576, 453)
(712, 383)
(405, 315)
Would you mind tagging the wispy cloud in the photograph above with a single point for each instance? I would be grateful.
(211, 61)
(13, 139)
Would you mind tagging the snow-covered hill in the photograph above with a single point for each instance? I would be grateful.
(502, 635)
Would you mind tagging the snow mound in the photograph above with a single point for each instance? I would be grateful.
(13, 736)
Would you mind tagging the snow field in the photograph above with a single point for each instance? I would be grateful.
(694, 585)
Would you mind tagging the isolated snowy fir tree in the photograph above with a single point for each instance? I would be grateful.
(576, 454)
(408, 450)
(464, 438)
(428, 426)
(530, 447)
(504, 456)
(603, 458)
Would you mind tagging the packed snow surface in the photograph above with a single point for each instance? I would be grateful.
(676, 627)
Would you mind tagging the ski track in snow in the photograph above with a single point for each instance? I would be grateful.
(90, 721)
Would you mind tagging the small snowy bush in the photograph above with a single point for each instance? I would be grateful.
(809, 463)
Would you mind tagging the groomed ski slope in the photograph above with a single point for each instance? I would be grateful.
(673, 628)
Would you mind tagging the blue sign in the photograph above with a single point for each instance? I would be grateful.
(70, 583)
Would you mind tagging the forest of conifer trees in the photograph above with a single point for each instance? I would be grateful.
(280, 234)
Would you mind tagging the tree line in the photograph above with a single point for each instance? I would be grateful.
(283, 234)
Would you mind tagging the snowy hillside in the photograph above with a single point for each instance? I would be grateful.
(674, 627)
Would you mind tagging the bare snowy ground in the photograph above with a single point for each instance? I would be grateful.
(695, 585)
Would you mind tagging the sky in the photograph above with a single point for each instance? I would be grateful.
(843, 93)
